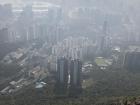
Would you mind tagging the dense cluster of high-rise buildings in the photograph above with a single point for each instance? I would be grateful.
(31, 22)
(74, 47)
(49, 22)
(62, 36)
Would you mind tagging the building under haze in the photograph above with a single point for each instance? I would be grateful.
(68, 76)
(4, 35)
(75, 76)
(132, 61)
(104, 41)
(5, 12)
(62, 76)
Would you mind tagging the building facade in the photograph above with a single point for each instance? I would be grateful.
(62, 76)
(75, 77)
(132, 61)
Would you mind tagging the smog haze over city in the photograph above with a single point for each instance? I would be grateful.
(69, 52)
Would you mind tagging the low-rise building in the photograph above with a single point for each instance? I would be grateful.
(37, 73)
(103, 63)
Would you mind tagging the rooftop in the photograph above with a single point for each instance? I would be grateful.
(102, 62)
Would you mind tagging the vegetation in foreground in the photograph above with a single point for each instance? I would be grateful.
(111, 87)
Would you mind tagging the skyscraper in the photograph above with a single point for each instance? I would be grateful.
(132, 61)
(62, 75)
(75, 76)
(68, 76)
(4, 35)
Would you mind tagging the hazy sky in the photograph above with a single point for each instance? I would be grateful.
(11, 1)
(19, 1)
(126, 2)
